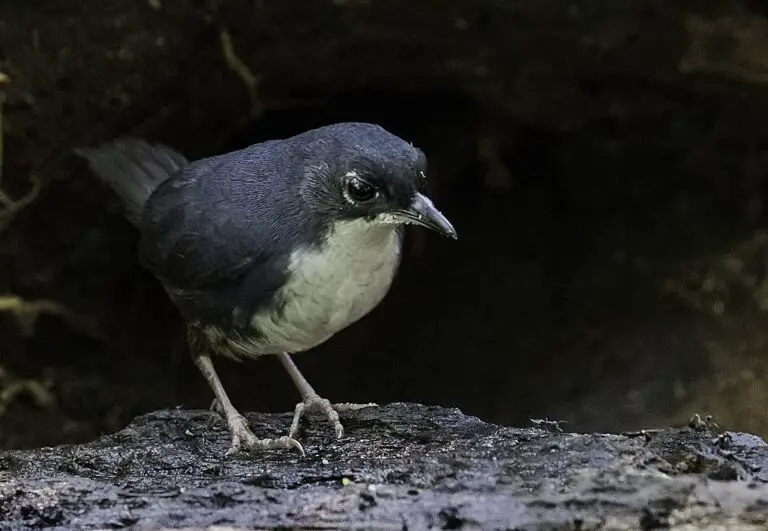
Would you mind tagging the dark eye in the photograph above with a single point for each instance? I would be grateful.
(359, 190)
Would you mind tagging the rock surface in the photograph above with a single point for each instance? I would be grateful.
(400, 466)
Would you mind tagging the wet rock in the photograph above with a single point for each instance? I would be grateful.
(400, 466)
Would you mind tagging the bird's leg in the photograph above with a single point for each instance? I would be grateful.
(242, 436)
(311, 401)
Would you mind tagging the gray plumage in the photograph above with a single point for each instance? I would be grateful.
(253, 246)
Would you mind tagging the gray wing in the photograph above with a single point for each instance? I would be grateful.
(212, 236)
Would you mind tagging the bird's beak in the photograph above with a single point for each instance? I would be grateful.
(423, 212)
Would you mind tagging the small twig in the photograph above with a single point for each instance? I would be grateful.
(26, 312)
(40, 391)
(12, 303)
(13, 207)
(242, 71)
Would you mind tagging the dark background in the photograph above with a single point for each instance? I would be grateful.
(604, 163)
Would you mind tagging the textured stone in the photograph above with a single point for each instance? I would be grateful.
(400, 466)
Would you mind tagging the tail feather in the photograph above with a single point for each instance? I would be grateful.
(133, 169)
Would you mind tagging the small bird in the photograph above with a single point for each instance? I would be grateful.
(274, 248)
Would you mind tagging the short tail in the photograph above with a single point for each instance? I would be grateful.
(133, 169)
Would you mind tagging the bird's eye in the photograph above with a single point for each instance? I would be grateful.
(360, 191)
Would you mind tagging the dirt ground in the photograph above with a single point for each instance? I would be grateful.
(604, 166)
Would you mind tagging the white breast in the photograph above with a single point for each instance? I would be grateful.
(330, 287)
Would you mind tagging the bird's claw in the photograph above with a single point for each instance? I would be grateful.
(244, 439)
(312, 403)
(216, 407)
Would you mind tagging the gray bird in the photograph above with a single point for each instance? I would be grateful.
(274, 248)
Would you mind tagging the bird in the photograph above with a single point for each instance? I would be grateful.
(273, 248)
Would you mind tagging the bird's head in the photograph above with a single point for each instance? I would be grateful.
(359, 171)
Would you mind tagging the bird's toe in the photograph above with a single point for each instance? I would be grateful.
(216, 407)
(243, 439)
(315, 403)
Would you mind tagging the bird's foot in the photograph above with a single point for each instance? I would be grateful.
(315, 403)
(216, 407)
(244, 439)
